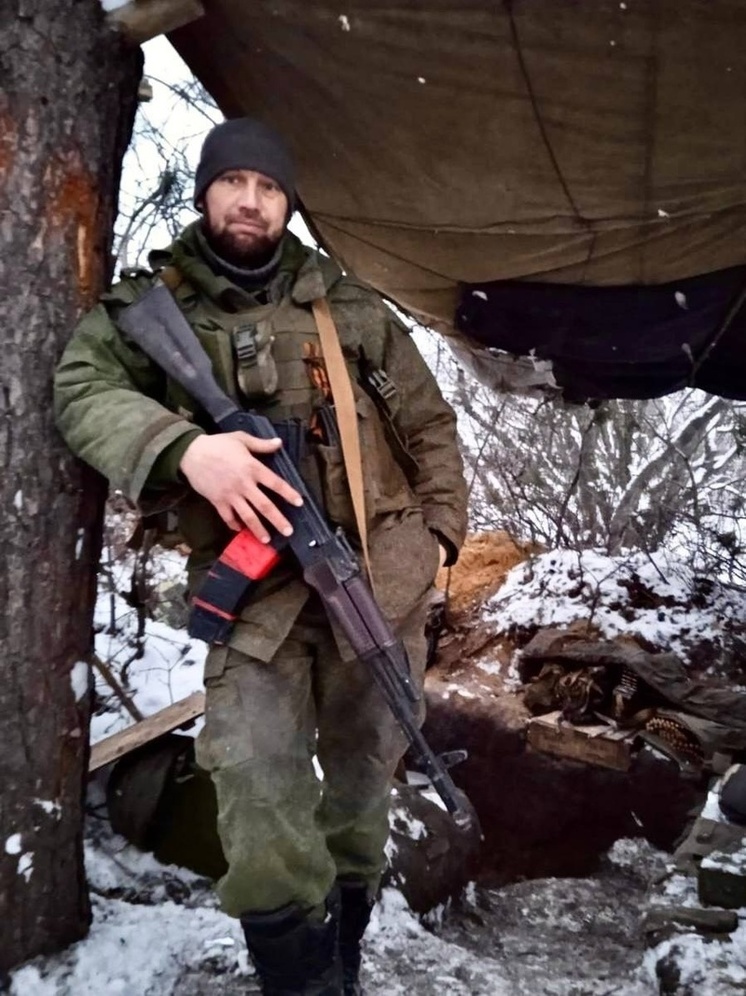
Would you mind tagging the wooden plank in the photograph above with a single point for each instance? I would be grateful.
(704, 921)
(141, 20)
(594, 744)
(164, 721)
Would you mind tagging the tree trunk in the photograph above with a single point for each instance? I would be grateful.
(67, 104)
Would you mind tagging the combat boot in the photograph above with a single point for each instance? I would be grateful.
(355, 909)
(294, 953)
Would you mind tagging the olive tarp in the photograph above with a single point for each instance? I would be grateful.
(446, 146)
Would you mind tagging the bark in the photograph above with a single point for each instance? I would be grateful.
(66, 108)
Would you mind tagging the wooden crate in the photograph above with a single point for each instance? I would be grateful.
(597, 743)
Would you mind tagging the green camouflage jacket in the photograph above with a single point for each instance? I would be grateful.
(127, 419)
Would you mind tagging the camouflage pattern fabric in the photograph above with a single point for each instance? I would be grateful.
(285, 834)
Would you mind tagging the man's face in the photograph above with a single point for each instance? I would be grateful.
(244, 216)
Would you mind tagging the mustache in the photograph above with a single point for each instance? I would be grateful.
(248, 214)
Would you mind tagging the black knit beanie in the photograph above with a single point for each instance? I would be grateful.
(244, 143)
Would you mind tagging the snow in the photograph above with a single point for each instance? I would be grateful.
(132, 949)
(407, 824)
(79, 679)
(564, 586)
(13, 844)
(50, 808)
(730, 863)
(18, 500)
(169, 666)
(168, 937)
(26, 864)
(706, 967)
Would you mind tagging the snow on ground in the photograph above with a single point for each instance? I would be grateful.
(703, 966)
(652, 596)
(170, 664)
(157, 930)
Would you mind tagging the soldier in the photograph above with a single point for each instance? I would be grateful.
(304, 856)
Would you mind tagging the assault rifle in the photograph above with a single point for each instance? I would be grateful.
(328, 562)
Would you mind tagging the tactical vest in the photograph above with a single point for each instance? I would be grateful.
(260, 356)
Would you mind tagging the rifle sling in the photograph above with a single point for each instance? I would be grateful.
(344, 403)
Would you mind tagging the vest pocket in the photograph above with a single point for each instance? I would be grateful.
(334, 488)
(385, 486)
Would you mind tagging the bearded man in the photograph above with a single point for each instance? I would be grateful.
(304, 855)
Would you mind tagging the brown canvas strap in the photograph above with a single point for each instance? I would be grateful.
(344, 403)
(171, 277)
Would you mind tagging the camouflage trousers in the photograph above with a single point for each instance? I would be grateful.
(287, 835)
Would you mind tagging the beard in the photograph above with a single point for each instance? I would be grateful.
(239, 249)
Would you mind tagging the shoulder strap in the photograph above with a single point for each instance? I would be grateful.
(172, 277)
(344, 403)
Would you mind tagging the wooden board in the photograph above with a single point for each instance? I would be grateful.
(141, 20)
(596, 743)
(164, 721)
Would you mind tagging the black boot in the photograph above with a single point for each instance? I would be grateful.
(296, 954)
(356, 906)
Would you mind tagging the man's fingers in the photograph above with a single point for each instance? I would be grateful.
(241, 515)
(268, 479)
(259, 502)
(258, 445)
(263, 475)
(224, 470)
(248, 511)
(229, 517)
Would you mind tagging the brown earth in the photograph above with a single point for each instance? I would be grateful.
(482, 566)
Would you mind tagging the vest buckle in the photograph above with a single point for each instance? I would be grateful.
(382, 384)
(244, 338)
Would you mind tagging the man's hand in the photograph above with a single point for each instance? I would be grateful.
(223, 470)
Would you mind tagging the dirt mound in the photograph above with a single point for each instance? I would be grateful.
(483, 563)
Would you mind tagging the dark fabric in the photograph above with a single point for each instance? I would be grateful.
(733, 795)
(296, 951)
(355, 910)
(244, 143)
(618, 342)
